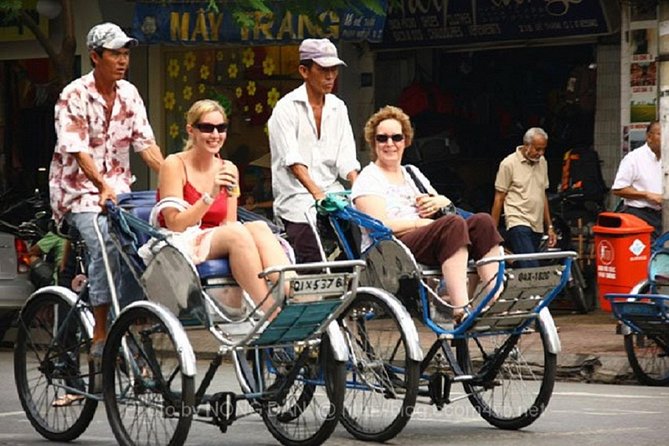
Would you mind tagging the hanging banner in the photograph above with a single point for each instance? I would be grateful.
(193, 23)
(448, 22)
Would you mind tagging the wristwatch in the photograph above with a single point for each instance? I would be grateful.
(207, 198)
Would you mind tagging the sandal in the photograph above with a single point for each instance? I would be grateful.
(459, 315)
(67, 400)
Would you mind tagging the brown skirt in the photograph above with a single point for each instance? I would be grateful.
(436, 242)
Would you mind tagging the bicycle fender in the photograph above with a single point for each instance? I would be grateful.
(406, 323)
(337, 341)
(71, 297)
(548, 325)
(184, 347)
(637, 288)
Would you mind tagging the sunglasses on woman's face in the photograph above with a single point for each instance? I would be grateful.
(205, 127)
(384, 138)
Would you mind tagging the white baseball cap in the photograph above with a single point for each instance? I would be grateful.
(321, 51)
(109, 36)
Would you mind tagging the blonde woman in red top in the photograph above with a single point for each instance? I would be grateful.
(199, 176)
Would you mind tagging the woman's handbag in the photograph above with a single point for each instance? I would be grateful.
(449, 209)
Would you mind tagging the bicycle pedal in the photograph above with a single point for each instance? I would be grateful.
(439, 389)
(223, 409)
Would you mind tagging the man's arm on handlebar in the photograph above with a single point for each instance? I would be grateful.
(87, 165)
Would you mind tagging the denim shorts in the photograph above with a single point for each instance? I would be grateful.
(127, 288)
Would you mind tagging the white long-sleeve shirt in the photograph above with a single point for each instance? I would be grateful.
(293, 139)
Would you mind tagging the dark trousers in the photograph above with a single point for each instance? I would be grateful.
(302, 239)
(523, 240)
(651, 216)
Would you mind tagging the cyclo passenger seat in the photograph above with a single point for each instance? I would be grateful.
(140, 205)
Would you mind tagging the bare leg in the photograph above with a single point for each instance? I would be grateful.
(235, 242)
(271, 252)
(488, 272)
(100, 314)
(454, 270)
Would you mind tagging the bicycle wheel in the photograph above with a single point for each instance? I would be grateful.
(148, 401)
(50, 356)
(382, 380)
(649, 358)
(520, 390)
(305, 411)
(575, 289)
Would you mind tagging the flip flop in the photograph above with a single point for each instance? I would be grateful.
(67, 400)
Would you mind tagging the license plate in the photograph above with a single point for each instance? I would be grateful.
(546, 276)
(331, 284)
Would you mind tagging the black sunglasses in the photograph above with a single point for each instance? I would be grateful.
(205, 127)
(384, 138)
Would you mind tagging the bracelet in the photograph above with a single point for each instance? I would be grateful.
(207, 198)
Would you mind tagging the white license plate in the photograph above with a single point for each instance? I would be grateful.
(331, 284)
(545, 276)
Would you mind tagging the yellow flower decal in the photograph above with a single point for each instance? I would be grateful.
(174, 130)
(204, 72)
(248, 57)
(259, 108)
(169, 100)
(173, 68)
(238, 92)
(201, 88)
(273, 97)
(232, 71)
(251, 88)
(265, 129)
(268, 66)
(219, 55)
(188, 92)
(189, 60)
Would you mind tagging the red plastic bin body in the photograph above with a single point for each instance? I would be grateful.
(622, 251)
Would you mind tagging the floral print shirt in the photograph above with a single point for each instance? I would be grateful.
(81, 126)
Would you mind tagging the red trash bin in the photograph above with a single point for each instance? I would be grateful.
(622, 251)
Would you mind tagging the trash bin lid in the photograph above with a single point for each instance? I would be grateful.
(620, 223)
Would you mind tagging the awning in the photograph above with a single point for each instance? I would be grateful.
(192, 23)
(448, 23)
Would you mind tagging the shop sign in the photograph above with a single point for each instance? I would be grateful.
(193, 23)
(449, 22)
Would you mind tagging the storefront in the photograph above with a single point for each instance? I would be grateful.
(474, 75)
(200, 53)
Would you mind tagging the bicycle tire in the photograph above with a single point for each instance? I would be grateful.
(383, 380)
(306, 415)
(649, 358)
(523, 393)
(643, 354)
(44, 363)
(575, 289)
(161, 399)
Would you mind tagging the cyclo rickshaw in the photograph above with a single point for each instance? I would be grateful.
(291, 368)
(504, 353)
(644, 319)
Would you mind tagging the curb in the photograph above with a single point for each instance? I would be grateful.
(591, 368)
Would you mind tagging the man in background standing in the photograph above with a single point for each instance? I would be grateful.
(520, 189)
